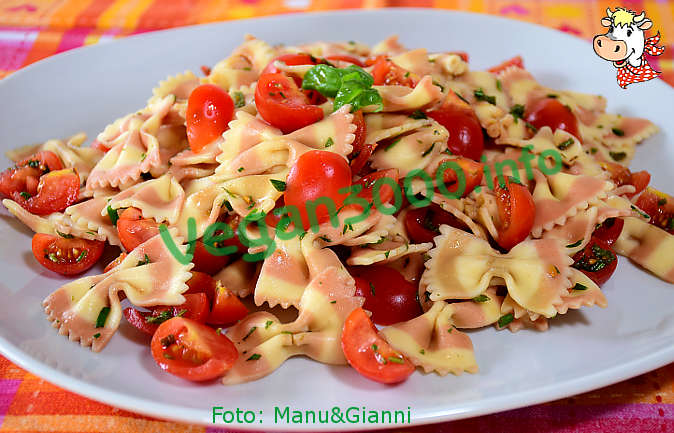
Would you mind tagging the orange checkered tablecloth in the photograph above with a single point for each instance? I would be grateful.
(33, 29)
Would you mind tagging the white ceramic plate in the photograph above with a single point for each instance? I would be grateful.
(86, 88)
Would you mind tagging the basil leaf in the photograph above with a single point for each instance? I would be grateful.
(102, 317)
(324, 79)
(113, 215)
(350, 85)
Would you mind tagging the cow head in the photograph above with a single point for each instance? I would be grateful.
(624, 40)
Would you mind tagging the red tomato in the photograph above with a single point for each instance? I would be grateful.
(385, 72)
(609, 231)
(233, 221)
(346, 58)
(25, 175)
(516, 212)
(361, 151)
(369, 353)
(597, 260)
(207, 262)
(423, 224)
(465, 132)
(133, 229)
(622, 175)
(193, 351)
(100, 146)
(385, 191)
(209, 111)
(227, 308)
(515, 61)
(640, 180)
(659, 206)
(281, 103)
(472, 172)
(290, 60)
(56, 191)
(462, 54)
(317, 174)
(388, 295)
(66, 256)
(550, 112)
(113, 264)
(201, 283)
(195, 308)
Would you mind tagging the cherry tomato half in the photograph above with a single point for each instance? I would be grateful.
(133, 229)
(659, 206)
(388, 295)
(55, 191)
(597, 260)
(193, 351)
(550, 112)
(472, 173)
(195, 308)
(361, 152)
(386, 193)
(387, 73)
(609, 230)
(369, 354)
(209, 111)
(113, 264)
(25, 176)
(423, 224)
(465, 133)
(66, 256)
(515, 61)
(317, 174)
(622, 175)
(207, 262)
(281, 103)
(516, 210)
(227, 308)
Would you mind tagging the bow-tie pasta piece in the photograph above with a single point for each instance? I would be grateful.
(649, 246)
(243, 66)
(161, 199)
(402, 98)
(88, 310)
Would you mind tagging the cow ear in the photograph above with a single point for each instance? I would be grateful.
(645, 24)
(606, 22)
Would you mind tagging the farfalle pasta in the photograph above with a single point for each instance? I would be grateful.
(294, 196)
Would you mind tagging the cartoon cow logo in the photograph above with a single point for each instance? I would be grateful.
(624, 44)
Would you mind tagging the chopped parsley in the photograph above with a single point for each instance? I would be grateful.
(254, 357)
(329, 142)
(145, 261)
(531, 127)
(33, 164)
(82, 256)
(461, 97)
(640, 212)
(618, 156)
(503, 321)
(422, 351)
(239, 99)
(386, 254)
(113, 215)
(599, 260)
(25, 195)
(268, 323)
(64, 235)
(418, 114)
(393, 143)
(575, 244)
(228, 205)
(552, 95)
(499, 86)
(375, 347)
(325, 238)
(372, 289)
(662, 202)
(579, 286)
(163, 316)
(396, 360)
(97, 335)
(482, 298)
(517, 111)
(565, 144)
(102, 317)
(278, 185)
(429, 150)
(617, 131)
(594, 150)
(250, 331)
(240, 169)
(481, 96)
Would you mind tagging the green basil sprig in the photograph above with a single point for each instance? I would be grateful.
(350, 85)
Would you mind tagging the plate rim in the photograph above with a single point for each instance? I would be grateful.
(542, 394)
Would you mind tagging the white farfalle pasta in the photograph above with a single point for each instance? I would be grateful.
(448, 247)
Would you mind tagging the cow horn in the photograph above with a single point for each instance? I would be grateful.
(639, 18)
(608, 12)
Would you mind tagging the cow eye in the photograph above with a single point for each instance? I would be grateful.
(629, 33)
(610, 29)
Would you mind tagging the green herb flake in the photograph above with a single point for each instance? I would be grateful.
(619, 132)
(422, 351)
(228, 205)
(33, 163)
(162, 317)
(396, 360)
(254, 357)
(278, 185)
(82, 256)
(145, 261)
(594, 150)
(499, 86)
(552, 95)
(461, 97)
(325, 238)
(565, 144)
(662, 202)
(25, 195)
(333, 302)
(531, 127)
(52, 257)
(375, 347)
(239, 99)
(481, 96)
(250, 331)
(268, 323)
(329, 142)
(579, 286)
(640, 212)
(372, 289)
(618, 156)
(429, 150)
(481, 298)
(575, 244)
(113, 215)
(517, 111)
(599, 260)
(393, 143)
(97, 335)
(102, 317)
(503, 321)
(65, 235)
(240, 169)
(418, 114)
(386, 254)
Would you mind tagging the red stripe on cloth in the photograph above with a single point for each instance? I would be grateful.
(89, 16)
(166, 13)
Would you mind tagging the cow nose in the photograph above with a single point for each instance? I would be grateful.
(608, 49)
(599, 42)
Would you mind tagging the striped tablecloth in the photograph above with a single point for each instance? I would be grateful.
(33, 29)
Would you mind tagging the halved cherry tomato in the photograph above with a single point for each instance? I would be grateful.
(66, 256)
(515, 61)
(317, 174)
(195, 308)
(659, 206)
(133, 229)
(346, 58)
(207, 262)
(472, 173)
(385, 72)
(516, 211)
(462, 54)
(113, 264)
(550, 112)
(56, 191)
(423, 224)
(609, 230)
(25, 175)
(281, 103)
(465, 132)
(597, 260)
(227, 308)
(388, 295)
(209, 110)
(233, 221)
(369, 354)
(193, 351)
(358, 161)
(201, 283)
(622, 175)
(100, 146)
(385, 191)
